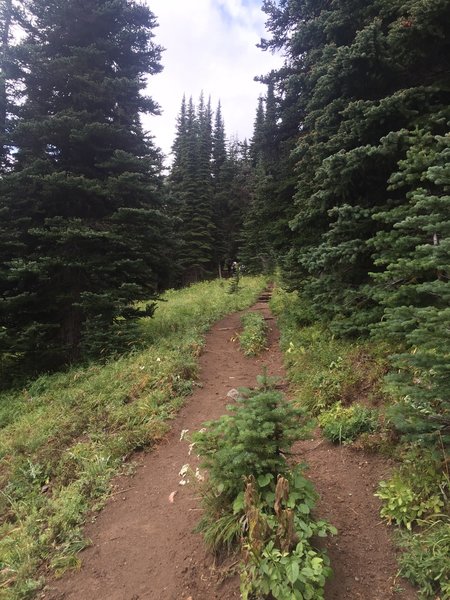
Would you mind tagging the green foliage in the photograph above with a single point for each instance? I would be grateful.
(426, 559)
(300, 574)
(63, 436)
(208, 192)
(359, 79)
(419, 490)
(232, 448)
(280, 560)
(325, 369)
(253, 338)
(344, 424)
(253, 496)
(366, 85)
(84, 231)
(414, 286)
(401, 504)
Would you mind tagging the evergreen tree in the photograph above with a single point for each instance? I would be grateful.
(257, 141)
(191, 190)
(366, 86)
(266, 232)
(83, 230)
(231, 199)
(414, 286)
(9, 17)
(219, 148)
(355, 84)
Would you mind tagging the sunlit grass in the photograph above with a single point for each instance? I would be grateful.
(66, 434)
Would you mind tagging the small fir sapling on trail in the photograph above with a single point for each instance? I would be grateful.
(253, 500)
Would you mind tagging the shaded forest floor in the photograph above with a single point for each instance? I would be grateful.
(143, 545)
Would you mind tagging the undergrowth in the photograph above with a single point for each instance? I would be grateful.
(253, 337)
(65, 435)
(345, 424)
(325, 369)
(343, 384)
(253, 499)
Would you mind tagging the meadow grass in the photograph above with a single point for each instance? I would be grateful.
(324, 369)
(65, 435)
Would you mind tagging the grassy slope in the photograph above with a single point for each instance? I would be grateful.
(65, 435)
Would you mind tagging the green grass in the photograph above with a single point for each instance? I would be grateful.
(253, 338)
(322, 368)
(65, 435)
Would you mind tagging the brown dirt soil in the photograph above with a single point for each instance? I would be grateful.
(143, 546)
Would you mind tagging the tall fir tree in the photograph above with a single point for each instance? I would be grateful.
(266, 231)
(208, 186)
(414, 287)
(355, 84)
(190, 185)
(366, 86)
(83, 231)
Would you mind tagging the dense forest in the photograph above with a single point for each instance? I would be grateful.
(343, 186)
(342, 192)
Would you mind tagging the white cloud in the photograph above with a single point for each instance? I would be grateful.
(210, 46)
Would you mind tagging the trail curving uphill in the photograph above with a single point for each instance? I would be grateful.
(143, 545)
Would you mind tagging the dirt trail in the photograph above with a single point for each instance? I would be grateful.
(143, 547)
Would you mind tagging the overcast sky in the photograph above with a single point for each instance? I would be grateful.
(210, 46)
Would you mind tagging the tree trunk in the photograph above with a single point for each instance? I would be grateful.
(5, 23)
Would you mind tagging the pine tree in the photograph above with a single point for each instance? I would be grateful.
(83, 230)
(191, 190)
(367, 85)
(8, 12)
(355, 84)
(415, 284)
(219, 148)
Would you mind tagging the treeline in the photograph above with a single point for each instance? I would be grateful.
(91, 231)
(209, 189)
(353, 200)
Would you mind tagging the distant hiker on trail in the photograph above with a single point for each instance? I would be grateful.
(234, 267)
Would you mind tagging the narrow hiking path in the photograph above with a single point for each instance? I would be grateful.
(143, 545)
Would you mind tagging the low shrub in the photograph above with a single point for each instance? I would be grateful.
(254, 498)
(426, 559)
(417, 491)
(402, 505)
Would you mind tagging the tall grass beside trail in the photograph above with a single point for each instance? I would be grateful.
(65, 435)
(323, 368)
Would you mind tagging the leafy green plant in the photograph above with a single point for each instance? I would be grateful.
(253, 338)
(279, 560)
(402, 506)
(252, 496)
(344, 424)
(418, 491)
